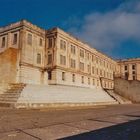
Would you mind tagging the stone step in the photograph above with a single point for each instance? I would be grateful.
(9, 100)
(6, 97)
(119, 98)
(4, 104)
(12, 92)
(14, 88)
(22, 84)
(9, 95)
(63, 94)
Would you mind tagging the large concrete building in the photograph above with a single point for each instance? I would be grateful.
(29, 54)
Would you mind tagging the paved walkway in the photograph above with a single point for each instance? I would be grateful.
(117, 122)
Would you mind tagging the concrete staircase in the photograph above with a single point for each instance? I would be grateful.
(10, 94)
(58, 95)
(117, 97)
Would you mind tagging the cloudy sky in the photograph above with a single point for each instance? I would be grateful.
(111, 26)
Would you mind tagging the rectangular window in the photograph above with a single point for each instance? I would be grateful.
(133, 72)
(3, 42)
(73, 63)
(49, 58)
(73, 77)
(38, 58)
(87, 56)
(50, 43)
(100, 62)
(125, 67)
(81, 66)
(133, 67)
(92, 70)
(88, 68)
(93, 81)
(92, 58)
(73, 49)
(104, 74)
(29, 39)
(40, 42)
(15, 39)
(100, 72)
(62, 60)
(89, 81)
(134, 77)
(97, 71)
(63, 76)
(96, 60)
(97, 82)
(107, 65)
(104, 63)
(82, 53)
(49, 75)
(126, 75)
(82, 79)
(62, 45)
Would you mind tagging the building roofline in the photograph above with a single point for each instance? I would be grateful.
(81, 41)
(128, 59)
(22, 22)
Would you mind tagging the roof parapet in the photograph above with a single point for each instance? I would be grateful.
(22, 23)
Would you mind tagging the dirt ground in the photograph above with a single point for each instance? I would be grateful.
(114, 122)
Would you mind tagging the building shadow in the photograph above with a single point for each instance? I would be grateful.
(125, 131)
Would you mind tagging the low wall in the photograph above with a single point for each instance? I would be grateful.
(128, 89)
(8, 66)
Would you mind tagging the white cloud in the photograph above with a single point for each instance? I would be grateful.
(105, 31)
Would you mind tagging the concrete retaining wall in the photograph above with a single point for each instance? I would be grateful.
(8, 66)
(128, 89)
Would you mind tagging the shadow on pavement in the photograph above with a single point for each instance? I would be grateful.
(125, 131)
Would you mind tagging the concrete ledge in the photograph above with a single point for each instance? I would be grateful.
(60, 105)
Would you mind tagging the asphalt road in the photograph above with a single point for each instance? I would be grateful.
(117, 122)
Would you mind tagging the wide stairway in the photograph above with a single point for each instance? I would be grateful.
(57, 95)
(10, 94)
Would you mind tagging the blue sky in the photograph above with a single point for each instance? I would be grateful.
(111, 26)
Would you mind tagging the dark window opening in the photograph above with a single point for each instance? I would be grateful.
(125, 67)
(63, 76)
(3, 42)
(49, 75)
(15, 39)
(133, 67)
(126, 75)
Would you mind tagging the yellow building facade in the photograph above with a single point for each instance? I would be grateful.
(130, 69)
(29, 54)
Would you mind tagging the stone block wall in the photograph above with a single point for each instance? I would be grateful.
(128, 89)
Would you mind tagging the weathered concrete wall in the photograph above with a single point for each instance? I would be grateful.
(32, 75)
(128, 89)
(3, 87)
(8, 66)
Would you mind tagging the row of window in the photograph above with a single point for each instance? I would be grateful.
(14, 40)
(63, 76)
(89, 80)
(30, 40)
(133, 67)
(86, 55)
(126, 75)
(81, 66)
